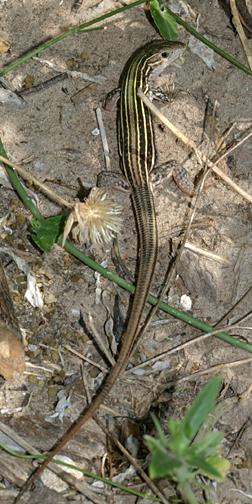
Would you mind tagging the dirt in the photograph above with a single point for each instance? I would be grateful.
(53, 136)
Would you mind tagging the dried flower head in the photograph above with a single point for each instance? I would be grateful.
(98, 219)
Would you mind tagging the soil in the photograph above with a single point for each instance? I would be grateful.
(54, 135)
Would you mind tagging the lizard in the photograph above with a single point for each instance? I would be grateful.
(137, 155)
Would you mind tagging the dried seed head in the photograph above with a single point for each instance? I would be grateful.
(98, 219)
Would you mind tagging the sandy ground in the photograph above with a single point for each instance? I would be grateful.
(54, 135)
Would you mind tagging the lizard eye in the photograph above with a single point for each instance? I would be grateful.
(164, 54)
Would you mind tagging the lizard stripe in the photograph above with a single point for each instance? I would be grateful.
(137, 154)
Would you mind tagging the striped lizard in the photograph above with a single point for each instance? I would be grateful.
(137, 155)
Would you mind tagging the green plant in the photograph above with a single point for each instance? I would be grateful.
(163, 17)
(180, 456)
(165, 20)
(45, 232)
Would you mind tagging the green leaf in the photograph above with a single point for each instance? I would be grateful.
(222, 465)
(201, 407)
(178, 441)
(162, 462)
(204, 466)
(161, 466)
(162, 436)
(18, 186)
(215, 467)
(165, 23)
(208, 444)
(45, 232)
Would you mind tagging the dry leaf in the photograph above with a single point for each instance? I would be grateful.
(4, 46)
(28, 81)
(12, 362)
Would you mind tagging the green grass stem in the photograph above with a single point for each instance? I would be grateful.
(71, 31)
(69, 247)
(88, 474)
(84, 28)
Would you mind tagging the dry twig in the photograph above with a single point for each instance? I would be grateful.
(202, 159)
(206, 253)
(103, 138)
(192, 341)
(86, 359)
(240, 31)
(213, 369)
(31, 178)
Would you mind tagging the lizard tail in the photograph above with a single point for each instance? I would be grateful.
(143, 204)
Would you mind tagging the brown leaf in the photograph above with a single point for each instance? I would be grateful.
(12, 362)
(4, 46)
(28, 81)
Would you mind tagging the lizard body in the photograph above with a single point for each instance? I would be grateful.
(137, 155)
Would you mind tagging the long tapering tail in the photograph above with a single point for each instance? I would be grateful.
(143, 204)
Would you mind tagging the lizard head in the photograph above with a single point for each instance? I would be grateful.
(161, 53)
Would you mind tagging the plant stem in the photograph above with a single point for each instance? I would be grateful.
(178, 314)
(71, 31)
(83, 28)
(69, 247)
(187, 494)
(15, 182)
(88, 474)
(208, 43)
